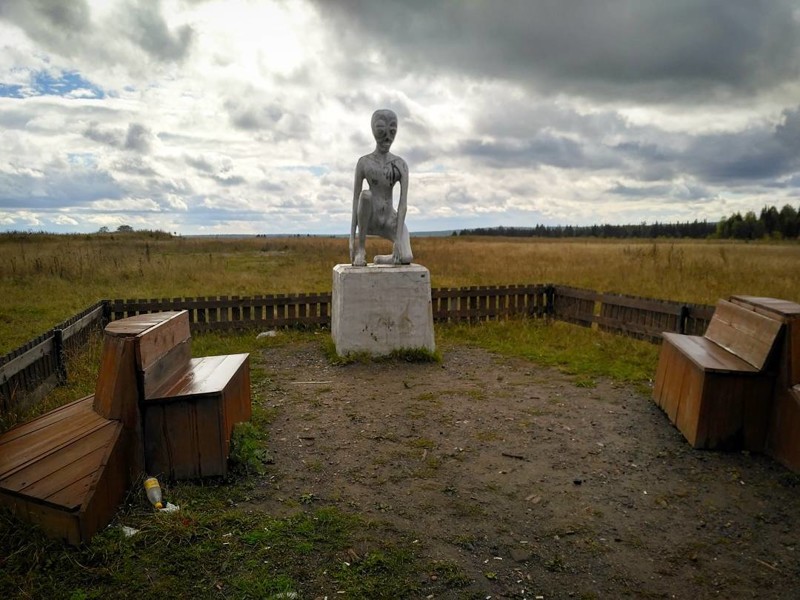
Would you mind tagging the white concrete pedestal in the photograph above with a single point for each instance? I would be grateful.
(381, 308)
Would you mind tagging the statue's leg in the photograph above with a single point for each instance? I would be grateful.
(401, 251)
(364, 216)
(402, 247)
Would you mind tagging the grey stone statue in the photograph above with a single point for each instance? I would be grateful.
(373, 213)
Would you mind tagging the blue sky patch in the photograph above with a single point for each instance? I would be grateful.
(67, 84)
(317, 170)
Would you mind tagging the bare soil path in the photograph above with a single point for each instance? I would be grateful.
(533, 486)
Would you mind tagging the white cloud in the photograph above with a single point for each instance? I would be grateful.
(247, 116)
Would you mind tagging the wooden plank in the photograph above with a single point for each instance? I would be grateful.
(770, 306)
(180, 423)
(789, 313)
(56, 523)
(117, 389)
(91, 318)
(58, 488)
(690, 398)
(66, 411)
(665, 358)
(707, 355)
(212, 450)
(757, 405)
(783, 438)
(643, 304)
(109, 488)
(156, 443)
(29, 357)
(153, 343)
(745, 333)
(46, 466)
(167, 370)
(20, 452)
(236, 397)
(71, 495)
(205, 375)
(680, 384)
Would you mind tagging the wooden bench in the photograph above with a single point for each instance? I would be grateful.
(717, 389)
(185, 409)
(65, 470)
(783, 431)
(154, 408)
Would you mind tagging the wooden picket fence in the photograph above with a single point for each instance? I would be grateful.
(29, 372)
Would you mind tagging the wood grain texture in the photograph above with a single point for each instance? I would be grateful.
(117, 388)
(744, 333)
(52, 467)
(708, 355)
(171, 329)
(188, 426)
(783, 438)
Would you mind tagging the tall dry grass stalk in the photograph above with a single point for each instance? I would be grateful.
(46, 278)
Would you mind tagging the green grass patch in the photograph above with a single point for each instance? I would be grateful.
(412, 355)
(583, 352)
(209, 550)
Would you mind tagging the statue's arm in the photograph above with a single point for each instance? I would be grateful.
(402, 203)
(357, 185)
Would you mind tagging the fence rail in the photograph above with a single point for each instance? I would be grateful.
(35, 368)
(32, 370)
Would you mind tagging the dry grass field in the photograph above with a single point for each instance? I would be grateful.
(46, 278)
(529, 462)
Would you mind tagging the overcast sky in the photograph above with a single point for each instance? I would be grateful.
(234, 116)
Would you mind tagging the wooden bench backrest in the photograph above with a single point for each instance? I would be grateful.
(789, 313)
(140, 355)
(743, 332)
(163, 352)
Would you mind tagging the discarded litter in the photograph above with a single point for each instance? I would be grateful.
(153, 489)
(266, 334)
(128, 531)
(169, 508)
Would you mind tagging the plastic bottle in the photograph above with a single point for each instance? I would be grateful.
(153, 489)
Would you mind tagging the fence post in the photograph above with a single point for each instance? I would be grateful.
(58, 350)
(684, 316)
(106, 314)
(550, 299)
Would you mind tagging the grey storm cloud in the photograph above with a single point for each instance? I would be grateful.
(109, 137)
(149, 30)
(271, 117)
(545, 148)
(53, 23)
(757, 153)
(221, 173)
(56, 189)
(138, 137)
(67, 27)
(647, 49)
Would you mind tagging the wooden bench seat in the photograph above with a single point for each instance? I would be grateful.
(707, 355)
(188, 422)
(68, 470)
(717, 388)
(65, 470)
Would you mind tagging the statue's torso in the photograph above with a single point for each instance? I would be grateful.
(381, 176)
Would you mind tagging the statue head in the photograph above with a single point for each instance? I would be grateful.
(384, 128)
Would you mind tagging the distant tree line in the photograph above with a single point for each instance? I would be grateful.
(771, 223)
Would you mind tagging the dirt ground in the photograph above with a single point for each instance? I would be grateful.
(535, 487)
